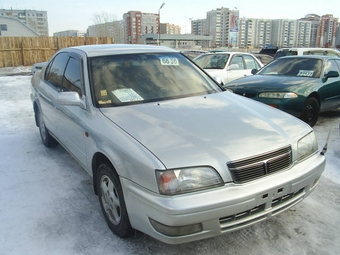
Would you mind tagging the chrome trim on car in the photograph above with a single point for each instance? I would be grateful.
(249, 169)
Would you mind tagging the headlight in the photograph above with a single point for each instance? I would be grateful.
(307, 146)
(278, 95)
(229, 90)
(177, 181)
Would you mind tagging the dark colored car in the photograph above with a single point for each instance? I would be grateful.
(264, 58)
(300, 85)
(268, 51)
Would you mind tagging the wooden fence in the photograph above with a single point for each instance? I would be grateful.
(25, 51)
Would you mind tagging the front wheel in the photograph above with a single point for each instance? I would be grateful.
(112, 201)
(311, 111)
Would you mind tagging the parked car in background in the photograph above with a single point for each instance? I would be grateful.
(228, 66)
(171, 153)
(264, 58)
(37, 67)
(193, 53)
(268, 51)
(300, 85)
(306, 51)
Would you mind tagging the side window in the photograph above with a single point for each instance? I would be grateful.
(56, 70)
(238, 60)
(72, 79)
(331, 66)
(250, 62)
(338, 63)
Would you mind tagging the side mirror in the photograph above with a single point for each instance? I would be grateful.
(254, 71)
(233, 67)
(330, 74)
(70, 98)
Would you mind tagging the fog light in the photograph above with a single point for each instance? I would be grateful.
(176, 230)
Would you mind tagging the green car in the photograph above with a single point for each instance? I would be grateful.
(303, 86)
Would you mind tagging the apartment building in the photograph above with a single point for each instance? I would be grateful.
(114, 29)
(199, 27)
(74, 33)
(304, 32)
(284, 32)
(137, 24)
(315, 22)
(170, 29)
(254, 33)
(326, 33)
(36, 20)
(222, 25)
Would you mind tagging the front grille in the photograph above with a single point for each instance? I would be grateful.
(249, 169)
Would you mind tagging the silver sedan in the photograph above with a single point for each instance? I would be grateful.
(171, 153)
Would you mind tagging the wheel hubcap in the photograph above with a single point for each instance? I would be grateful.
(110, 199)
(309, 112)
(42, 127)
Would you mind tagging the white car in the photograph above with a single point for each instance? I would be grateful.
(225, 67)
(171, 153)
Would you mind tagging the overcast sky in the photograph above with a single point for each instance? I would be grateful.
(78, 15)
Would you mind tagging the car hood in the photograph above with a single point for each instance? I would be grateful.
(207, 130)
(273, 83)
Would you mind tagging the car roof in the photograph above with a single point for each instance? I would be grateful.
(311, 56)
(112, 49)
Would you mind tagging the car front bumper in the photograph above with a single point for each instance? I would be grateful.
(224, 209)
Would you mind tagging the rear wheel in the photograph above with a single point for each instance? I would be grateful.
(46, 137)
(311, 111)
(112, 201)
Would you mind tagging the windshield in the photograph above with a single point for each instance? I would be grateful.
(298, 67)
(138, 78)
(212, 61)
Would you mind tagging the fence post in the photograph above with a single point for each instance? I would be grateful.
(22, 52)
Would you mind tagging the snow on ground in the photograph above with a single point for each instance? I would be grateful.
(47, 204)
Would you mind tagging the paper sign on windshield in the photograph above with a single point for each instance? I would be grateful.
(127, 95)
(305, 73)
(169, 61)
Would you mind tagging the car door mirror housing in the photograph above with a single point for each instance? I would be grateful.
(253, 71)
(330, 74)
(233, 67)
(70, 98)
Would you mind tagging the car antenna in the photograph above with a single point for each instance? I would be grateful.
(324, 149)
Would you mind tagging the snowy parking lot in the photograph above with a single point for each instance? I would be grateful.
(47, 203)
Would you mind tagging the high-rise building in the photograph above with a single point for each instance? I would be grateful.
(36, 20)
(222, 25)
(315, 22)
(327, 31)
(137, 24)
(254, 33)
(114, 29)
(284, 32)
(170, 29)
(199, 27)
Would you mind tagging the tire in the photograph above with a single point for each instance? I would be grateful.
(311, 111)
(112, 201)
(45, 135)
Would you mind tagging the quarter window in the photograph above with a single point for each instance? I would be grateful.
(72, 78)
(56, 70)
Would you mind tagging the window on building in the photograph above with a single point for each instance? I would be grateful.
(3, 27)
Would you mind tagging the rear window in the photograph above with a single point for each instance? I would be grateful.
(283, 53)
